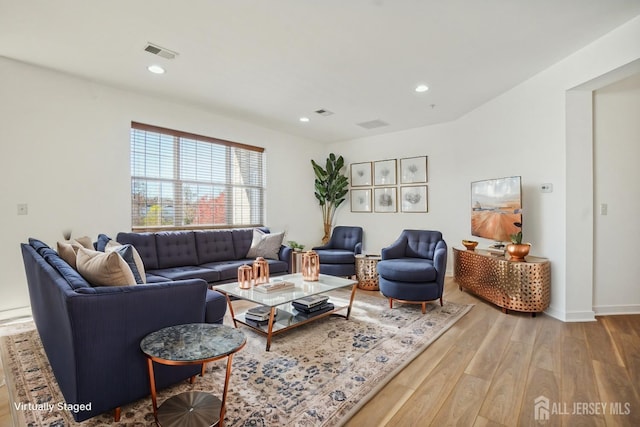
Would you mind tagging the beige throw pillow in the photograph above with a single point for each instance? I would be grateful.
(104, 269)
(140, 275)
(68, 251)
(265, 245)
(84, 241)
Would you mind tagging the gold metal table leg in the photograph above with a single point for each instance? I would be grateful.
(152, 384)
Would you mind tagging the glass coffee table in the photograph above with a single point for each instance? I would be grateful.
(282, 315)
(191, 344)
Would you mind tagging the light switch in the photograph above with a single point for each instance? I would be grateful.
(23, 209)
(603, 208)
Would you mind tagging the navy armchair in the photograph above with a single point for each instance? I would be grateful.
(412, 269)
(338, 256)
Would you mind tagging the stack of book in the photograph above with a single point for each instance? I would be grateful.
(312, 306)
(259, 315)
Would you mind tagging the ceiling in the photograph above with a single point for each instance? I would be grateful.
(271, 62)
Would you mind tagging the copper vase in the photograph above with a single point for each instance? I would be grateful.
(517, 252)
(310, 266)
(245, 275)
(260, 271)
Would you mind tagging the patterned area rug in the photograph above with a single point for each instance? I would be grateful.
(319, 374)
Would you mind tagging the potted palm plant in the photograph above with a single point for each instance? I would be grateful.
(330, 189)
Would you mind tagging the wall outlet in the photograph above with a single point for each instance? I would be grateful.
(546, 187)
(23, 209)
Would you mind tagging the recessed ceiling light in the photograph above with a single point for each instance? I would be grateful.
(304, 119)
(156, 69)
(422, 88)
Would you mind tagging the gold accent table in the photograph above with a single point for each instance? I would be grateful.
(296, 261)
(367, 272)
(512, 285)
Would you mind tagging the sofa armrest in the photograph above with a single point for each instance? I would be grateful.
(395, 250)
(358, 249)
(322, 247)
(440, 261)
(107, 327)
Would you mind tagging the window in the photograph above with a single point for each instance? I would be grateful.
(180, 180)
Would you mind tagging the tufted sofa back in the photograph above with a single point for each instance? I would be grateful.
(421, 243)
(345, 237)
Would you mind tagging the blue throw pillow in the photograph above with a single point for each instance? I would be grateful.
(127, 253)
(38, 245)
(103, 239)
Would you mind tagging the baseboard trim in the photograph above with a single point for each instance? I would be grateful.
(13, 313)
(612, 310)
(580, 316)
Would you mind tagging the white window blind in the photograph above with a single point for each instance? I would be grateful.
(181, 180)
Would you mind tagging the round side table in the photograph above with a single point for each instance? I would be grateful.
(191, 344)
(366, 272)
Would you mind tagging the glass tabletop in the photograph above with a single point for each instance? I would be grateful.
(193, 342)
(302, 288)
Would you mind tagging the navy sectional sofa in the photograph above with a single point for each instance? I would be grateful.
(92, 335)
(211, 255)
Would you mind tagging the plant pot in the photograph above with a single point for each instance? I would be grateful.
(517, 252)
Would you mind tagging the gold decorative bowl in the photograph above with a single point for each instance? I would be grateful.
(470, 244)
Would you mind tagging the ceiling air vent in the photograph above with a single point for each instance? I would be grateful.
(160, 51)
(377, 123)
(324, 112)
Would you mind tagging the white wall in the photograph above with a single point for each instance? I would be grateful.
(65, 152)
(617, 184)
(523, 132)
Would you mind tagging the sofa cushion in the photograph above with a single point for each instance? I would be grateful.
(152, 278)
(75, 280)
(130, 255)
(336, 256)
(242, 238)
(176, 249)
(214, 246)
(187, 272)
(104, 269)
(227, 270)
(145, 244)
(265, 245)
(407, 270)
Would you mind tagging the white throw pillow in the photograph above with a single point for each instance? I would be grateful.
(104, 269)
(265, 245)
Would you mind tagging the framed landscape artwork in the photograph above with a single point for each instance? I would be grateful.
(413, 170)
(386, 199)
(384, 172)
(414, 198)
(361, 200)
(361, 174)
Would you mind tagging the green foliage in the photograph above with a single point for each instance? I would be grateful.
(516, 239)
(330, 186)
(295, 245)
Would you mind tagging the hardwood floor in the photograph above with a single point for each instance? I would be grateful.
(488, 369)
